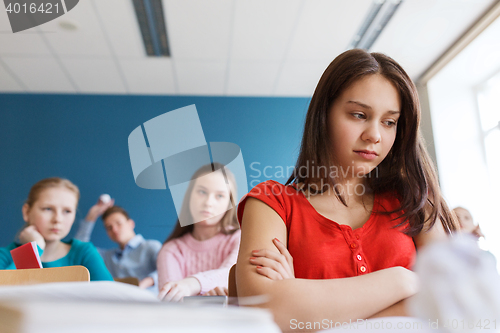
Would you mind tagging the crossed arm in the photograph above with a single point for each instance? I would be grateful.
(375, 294)
(173, 283)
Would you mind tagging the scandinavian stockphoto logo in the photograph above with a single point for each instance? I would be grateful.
(173, 146)
(26, 14)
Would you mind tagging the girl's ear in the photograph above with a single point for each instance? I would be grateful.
(26, 210)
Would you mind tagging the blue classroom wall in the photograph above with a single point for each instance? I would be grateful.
(84, 138)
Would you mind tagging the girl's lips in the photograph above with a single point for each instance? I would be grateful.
(366, 155)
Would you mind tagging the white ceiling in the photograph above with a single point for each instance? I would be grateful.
(219, 47)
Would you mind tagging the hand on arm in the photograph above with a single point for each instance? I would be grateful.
(174, 291)
(276, 266)
(30, 234)
(354, 298)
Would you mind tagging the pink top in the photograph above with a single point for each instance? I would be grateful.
(209, 261)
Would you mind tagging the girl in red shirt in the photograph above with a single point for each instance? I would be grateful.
(363, 196)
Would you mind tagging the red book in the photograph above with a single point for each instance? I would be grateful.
(26, 256)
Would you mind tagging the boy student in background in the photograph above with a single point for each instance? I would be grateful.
(135, 256)
(341, 246)
(49, 213)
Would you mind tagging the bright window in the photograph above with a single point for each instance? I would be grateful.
(464, 99)
(489, 113)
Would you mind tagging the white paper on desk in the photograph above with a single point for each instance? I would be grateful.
(459, 286)
(112, 307)
(130, 317)
(77, 291)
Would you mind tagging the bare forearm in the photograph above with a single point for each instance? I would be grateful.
(311, 300)
(147, 282)
(398, 309)
(337, 299)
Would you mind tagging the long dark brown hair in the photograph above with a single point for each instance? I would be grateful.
(229, 222)
(406, 171)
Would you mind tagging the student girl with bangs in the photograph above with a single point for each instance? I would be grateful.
(339, 241)
(49, 213)
(195, 259)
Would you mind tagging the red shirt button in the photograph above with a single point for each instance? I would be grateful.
(359, 257)
(362, 269)
(353, 245)
(357, 236)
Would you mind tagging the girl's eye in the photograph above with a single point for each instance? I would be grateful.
(358, 115)
(202, 192)
(390, 123)
(220, 196)
(47, 208)
(67, 211)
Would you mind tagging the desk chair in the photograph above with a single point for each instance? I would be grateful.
(128, 280)
(44, 275)
(231, 285)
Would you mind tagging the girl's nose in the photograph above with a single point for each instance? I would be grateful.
(210, 200)
(371, 133)
(57, 217)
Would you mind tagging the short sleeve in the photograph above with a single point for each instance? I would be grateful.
(275, 195)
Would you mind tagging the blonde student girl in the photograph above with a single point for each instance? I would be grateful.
(195, 259)
(49, 213)
(337, 242)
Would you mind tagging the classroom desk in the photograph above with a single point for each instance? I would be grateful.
(102, 307)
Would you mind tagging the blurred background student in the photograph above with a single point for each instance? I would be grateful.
(134, 256)
(196, 259)
(49, 213)
(467, 224)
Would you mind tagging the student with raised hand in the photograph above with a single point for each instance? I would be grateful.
(338, 241)
(135, 256)
(49, 213)
(196, 259)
